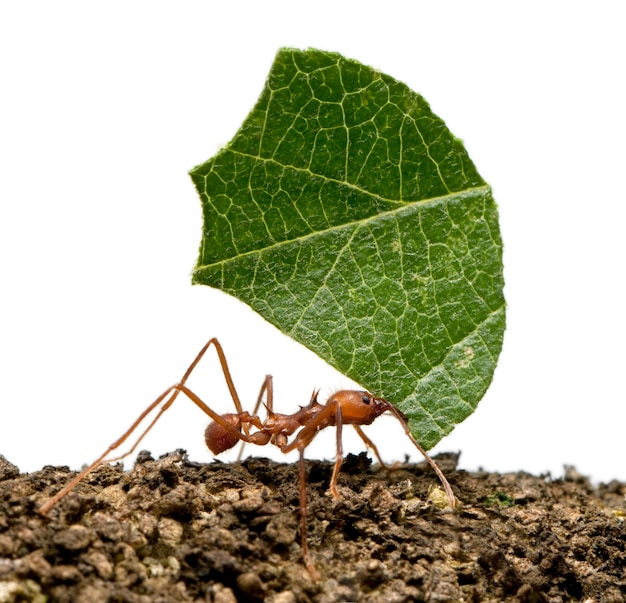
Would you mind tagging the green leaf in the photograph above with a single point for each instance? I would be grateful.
(346, 214)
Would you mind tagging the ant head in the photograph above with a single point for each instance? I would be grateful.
(359, 407)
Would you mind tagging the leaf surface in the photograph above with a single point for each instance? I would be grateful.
(346, 213)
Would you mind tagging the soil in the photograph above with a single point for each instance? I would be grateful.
(172, 530)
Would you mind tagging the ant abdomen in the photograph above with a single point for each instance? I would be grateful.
(218, 438)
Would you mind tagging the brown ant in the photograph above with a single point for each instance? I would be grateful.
(346, 407)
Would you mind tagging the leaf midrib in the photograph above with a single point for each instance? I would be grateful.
(404, 207)
(345, 183)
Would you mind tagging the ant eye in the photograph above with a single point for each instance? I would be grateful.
(366, 399)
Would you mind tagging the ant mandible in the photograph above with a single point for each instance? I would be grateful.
(345, 407)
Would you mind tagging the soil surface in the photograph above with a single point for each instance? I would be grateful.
(172, 530)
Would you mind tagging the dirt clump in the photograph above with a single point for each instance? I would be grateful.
(171, 530)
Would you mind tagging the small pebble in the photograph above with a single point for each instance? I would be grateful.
(74, 538)
(251, 585)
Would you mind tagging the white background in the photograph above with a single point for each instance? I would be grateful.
(104, 107)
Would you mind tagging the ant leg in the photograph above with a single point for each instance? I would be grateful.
(57, 497)
(225, 370)
(268, 389)
(229, 383)
(259, 438)
(339, 454)
(329, 415)
(174, 391)
(369, 444)
(304, 438)
(306, 557)
(430, 461)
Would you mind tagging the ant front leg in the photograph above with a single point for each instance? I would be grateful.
(369, 444)
(442, 478)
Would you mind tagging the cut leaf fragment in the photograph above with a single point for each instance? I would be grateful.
(346, 214)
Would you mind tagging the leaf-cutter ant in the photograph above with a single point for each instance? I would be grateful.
(345, 407)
